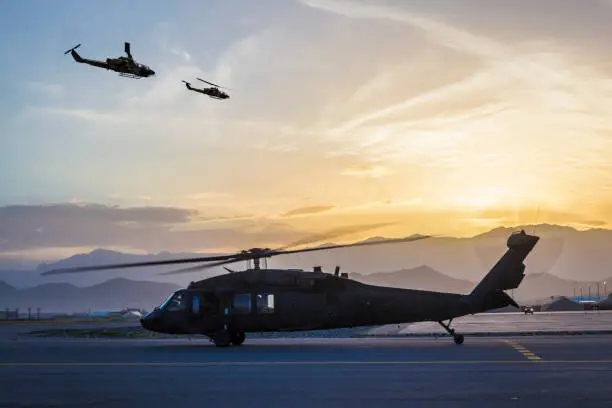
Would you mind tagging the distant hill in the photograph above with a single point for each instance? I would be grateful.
(120, 293)
(534, 288)
(563, 252)
(66, 298)
(422, 277)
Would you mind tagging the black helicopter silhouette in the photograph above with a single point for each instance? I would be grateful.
(125, 66)
(214, 92)
(226, 307)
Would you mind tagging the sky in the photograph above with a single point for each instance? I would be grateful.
(384, 117)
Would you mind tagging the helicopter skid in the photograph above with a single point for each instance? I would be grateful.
(133, 76)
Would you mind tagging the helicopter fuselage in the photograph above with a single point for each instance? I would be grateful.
(286, 300)
(122, 65)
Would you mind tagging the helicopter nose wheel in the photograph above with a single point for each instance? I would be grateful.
(225, 338)
(237, 338)
(222, 338)
(458, 338)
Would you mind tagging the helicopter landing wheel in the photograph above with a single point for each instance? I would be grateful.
(458, 338)
(222, 338)
(237, 338)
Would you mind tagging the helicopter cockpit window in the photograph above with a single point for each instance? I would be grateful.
(177, 302)
(265, 303)
(242, 303)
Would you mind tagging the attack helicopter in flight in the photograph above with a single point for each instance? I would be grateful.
(125, 66)
(226, 307)
(214, 92)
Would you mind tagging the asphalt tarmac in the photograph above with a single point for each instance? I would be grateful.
(509, 323)
(521, 372)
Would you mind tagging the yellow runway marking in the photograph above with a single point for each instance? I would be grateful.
(524, 351)
(277, 363)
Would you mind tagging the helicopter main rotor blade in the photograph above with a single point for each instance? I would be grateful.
(210, 83)
(199, 267)
(240, 256)
(357, 244)
(335, 233)
(271, 253)
(78, 269)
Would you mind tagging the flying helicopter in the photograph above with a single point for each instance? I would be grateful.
(226, 307)
(214, 92)
(125, 66)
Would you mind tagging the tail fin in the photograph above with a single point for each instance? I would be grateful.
(506, 274)
(76, 56)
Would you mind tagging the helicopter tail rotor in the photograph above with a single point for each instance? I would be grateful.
(72, 49)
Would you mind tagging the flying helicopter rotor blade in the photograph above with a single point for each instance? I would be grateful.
(210, 83)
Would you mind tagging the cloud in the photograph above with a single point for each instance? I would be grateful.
(308, 210)
(51, 90)
(208, 195)
(338, 232)
(61, 227)
(442, 33)
(142, 228)
(367, 170)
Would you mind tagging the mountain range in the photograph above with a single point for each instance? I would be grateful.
(121, 293)
(563, 252)
(116, 293)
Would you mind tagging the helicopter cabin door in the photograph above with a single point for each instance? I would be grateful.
(202, 306)
(224, 305)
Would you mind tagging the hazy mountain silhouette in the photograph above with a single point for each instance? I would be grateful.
(563, 252)
(65, 298)
(534, 288)
(120, 293)
(422, 277)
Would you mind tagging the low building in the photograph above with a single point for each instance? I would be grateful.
(560, 304)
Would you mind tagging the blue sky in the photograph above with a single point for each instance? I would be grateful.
(437, 116)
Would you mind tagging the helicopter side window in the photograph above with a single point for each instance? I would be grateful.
(195, 304)
(265, 303)
(177, 303)
(242, 303)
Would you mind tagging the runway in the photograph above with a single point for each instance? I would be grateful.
(509, 324)
(500, 372)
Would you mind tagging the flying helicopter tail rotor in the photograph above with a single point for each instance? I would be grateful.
(72, 49)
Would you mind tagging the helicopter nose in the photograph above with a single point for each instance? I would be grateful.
(145, 322)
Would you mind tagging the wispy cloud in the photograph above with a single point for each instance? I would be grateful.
(52, 90)
(514, 89)
(316, 209)
(208, 195)
(367, 170)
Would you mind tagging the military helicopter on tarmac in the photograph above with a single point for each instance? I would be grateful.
(125, 66)
(214, 92)
(226, 307)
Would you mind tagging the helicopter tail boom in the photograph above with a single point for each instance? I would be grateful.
(506, 274)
